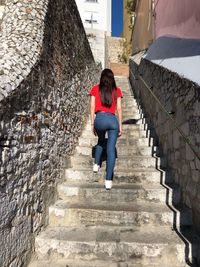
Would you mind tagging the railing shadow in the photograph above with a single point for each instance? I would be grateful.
(130, 121)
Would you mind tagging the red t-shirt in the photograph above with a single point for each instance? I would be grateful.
(98, 105)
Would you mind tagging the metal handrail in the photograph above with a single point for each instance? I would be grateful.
(186, 139)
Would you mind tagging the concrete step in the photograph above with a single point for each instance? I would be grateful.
(92, 141)
(129, 193)
(88, 213)
(129, 103)
(127, 176)
(130, 127)
(129, 113)
(96, 263)
(160, 246)
(135, 134)
(123, 150)
(122, 163)
(129, 117)
(131, 109)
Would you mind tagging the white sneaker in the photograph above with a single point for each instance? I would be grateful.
(108, 184)
(95, 168)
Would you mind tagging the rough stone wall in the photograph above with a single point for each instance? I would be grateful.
(114, 49)
(182, 97)
(46, 70)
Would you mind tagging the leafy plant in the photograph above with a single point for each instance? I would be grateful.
(131, 6)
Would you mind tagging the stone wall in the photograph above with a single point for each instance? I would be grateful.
(114, 49)
(182, 98)
(46, 70)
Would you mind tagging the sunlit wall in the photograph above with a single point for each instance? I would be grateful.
(179, 18)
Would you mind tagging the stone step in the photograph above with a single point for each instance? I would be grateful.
(129, 193)
(128, 117)
(127, 176)
(91, 213)
(123, 150)
(137, 133)
(96, 263)
(92, 141)
(129, 103)
(130, 127)
(160, 246)
(122, 163)
(129, 107)
(130, 112)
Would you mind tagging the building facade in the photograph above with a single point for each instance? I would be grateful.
(143, 28)
(95, 14)
(155, 19)
(128, 18)
(180, 18)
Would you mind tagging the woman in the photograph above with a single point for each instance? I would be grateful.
(105, 99)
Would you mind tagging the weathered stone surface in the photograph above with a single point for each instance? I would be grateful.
(115, 48)
(117, 245)
(182, 98)
(92, 263)
(46, 70)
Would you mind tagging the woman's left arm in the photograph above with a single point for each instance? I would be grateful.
(92, 112)
(119, 113)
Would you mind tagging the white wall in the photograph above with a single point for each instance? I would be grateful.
(100, 12)
(97, 10)
(1, 11)
(97, 41)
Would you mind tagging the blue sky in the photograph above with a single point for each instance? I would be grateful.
(117, 17)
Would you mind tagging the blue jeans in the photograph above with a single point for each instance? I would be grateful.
(106, 122)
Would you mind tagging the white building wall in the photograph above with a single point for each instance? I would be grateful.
(96, 18)
(95, 14)
(1, 11)
(97, 42)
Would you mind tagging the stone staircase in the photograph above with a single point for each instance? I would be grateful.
(128, 226)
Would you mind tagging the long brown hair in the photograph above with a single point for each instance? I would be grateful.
(106, 87)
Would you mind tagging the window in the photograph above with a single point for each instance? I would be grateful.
(91, 18)
(92, 1)
(91, 21)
